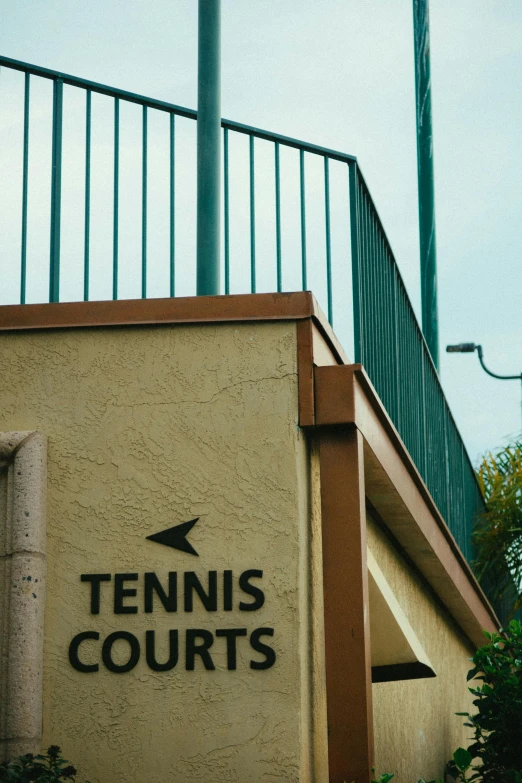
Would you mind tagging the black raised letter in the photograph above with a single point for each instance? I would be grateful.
(151, 652)
(193, 649)
(107, 652)
(227, 591)
(170, 601)
(192, 583)
(120, 592)
(259, 596)
(231, 634)
(95, 580)
(73, 652)
(258, 646)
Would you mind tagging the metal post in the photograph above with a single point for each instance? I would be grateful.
(25, 182)
(56, 192)
(428, 253)
(209, 142)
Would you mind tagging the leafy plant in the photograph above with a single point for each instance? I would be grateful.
(462, 760)
(497, 724)
(387, 776)
(46, 769)
(498, 532)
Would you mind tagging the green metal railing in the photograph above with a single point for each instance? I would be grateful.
(389, 343)
(319, 202)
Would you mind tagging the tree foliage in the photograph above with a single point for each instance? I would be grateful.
(498, 532)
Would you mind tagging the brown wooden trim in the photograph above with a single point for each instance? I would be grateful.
(128, 312)
(344, 395)
(191, 309)
(346, 607)
(305, 372)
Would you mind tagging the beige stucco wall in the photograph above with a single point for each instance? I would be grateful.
(416, 730)
(147, 428)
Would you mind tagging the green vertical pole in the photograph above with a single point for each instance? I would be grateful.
(25, 182)
(115, 195)
(428, 252)
(144, 170)
(279, 267)
(87, 223)
(172, 207)
(209, 130)
(226, 205)
(56, 192)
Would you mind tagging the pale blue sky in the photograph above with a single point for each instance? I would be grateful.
(340, 74)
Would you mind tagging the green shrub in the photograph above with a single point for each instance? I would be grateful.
(497, 724)
(387, 776)
(46, 769)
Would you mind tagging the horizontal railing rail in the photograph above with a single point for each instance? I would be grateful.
(171, 108)
(296, 215)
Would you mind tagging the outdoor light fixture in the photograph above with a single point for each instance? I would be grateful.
(471, 348)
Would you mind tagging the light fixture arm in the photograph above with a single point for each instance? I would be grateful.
(478, 348)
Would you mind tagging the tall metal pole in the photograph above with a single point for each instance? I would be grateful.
(428, 253)
(209, 146)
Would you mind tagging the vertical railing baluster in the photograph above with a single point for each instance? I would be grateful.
(87, 219)
(355, 252)
(304, 277)
(369, 274)
(424, 419)
(144, 208)
(278, 217)
(369, 335)
(226, 208)
(172, 233)
(252, 220)
(56, 192)
(116, 198)
(328, 238)
(378, 342)
(226, 211)
(25, 181)
(394, 346)
(363, 270)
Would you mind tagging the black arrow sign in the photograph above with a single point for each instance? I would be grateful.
(176, 537)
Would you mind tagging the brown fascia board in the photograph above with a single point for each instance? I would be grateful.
(149, 312)
(345, 396)
(192, 309)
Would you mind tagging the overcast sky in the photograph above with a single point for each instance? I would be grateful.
(340, 73)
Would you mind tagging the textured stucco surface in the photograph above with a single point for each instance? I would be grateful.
(149, 427)
(416, 729)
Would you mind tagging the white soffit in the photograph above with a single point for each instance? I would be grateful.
(396, 652)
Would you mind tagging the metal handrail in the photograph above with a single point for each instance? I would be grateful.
(172, 108)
